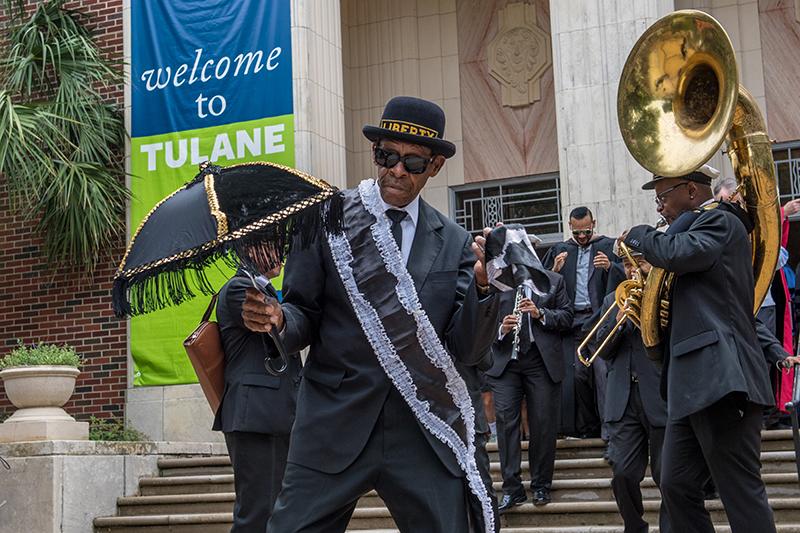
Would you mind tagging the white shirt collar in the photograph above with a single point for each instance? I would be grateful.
(412, 209)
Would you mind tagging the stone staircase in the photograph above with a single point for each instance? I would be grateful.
(195, 494)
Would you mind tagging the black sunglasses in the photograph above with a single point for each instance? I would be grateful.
(579, 232)
(414, 164)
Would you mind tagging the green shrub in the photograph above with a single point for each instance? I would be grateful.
(115, 430)
(41, 354)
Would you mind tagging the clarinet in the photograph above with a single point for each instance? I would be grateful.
(518, 325)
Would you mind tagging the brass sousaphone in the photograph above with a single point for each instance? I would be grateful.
(679, 99)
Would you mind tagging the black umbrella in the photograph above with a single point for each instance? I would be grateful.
(245, 215)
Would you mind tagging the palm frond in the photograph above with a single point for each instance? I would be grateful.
(60, 142)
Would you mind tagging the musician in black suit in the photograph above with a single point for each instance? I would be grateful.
(535, 373)
(589, 266)
(367, 407)
(714, 370)
(634, 411)
(256, 413)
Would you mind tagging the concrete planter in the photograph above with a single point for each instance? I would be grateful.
(39, 392)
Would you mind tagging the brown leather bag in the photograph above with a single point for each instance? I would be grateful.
(204, 347)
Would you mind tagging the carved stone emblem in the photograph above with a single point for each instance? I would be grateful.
(519, 54)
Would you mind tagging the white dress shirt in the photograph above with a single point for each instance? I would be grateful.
(409, 224)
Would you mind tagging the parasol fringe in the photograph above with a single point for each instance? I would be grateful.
(308, 225)
(171, 284)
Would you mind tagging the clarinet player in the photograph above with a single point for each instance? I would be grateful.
(535, 374)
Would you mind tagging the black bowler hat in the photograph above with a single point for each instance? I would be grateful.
(412, 120)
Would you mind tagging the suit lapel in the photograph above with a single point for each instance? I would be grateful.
(427, 244)
(571, 266)
(592, 253)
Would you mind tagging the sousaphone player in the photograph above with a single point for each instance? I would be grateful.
(678, 100)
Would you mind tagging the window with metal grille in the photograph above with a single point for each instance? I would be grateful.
(787, 169)
(533, 201)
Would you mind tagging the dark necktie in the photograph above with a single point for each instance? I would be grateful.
(525, 334)
(397, 216)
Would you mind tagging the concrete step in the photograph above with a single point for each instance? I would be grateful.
(786, 511)
(221, 523)
(195, 494)
(577, 515)
(772, 462)
(599, 489)
(567, 449)
(195, 479)
(777, 440)
(182, 523)
(187, 466)
(568, 490)
(176, 504)
(153, 486)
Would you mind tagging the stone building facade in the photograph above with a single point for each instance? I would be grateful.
(529, 88)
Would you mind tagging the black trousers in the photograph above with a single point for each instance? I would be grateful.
(584, 389)
(528, 378)
(398, 462)
(631, 438)
(727, 437)
(259, 462)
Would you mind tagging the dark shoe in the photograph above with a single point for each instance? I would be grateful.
(541, 497)
(507, 502)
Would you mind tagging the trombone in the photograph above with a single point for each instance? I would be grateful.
(627, 297)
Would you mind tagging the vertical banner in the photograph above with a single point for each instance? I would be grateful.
(212, 81)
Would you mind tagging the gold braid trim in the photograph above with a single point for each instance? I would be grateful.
(322, 184)
(213, 205)
(139, 229)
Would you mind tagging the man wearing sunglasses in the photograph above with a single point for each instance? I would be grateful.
(590, 269)
(393, 308)
(714, 377)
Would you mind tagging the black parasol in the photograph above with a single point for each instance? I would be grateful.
(244, 215)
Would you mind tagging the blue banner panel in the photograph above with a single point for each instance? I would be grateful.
(200, 64)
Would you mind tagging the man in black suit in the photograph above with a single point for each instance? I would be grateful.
(256, 413)
(714, 370)
(634, 411)
(534, 373)
(377, 309)
(589, 266)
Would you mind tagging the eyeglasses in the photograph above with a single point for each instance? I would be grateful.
(414, 164)
(579, 232)
(659, 199)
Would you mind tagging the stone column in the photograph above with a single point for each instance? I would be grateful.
(318, 90)
(591, 41)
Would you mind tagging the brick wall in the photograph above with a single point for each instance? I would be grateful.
(41, 305)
